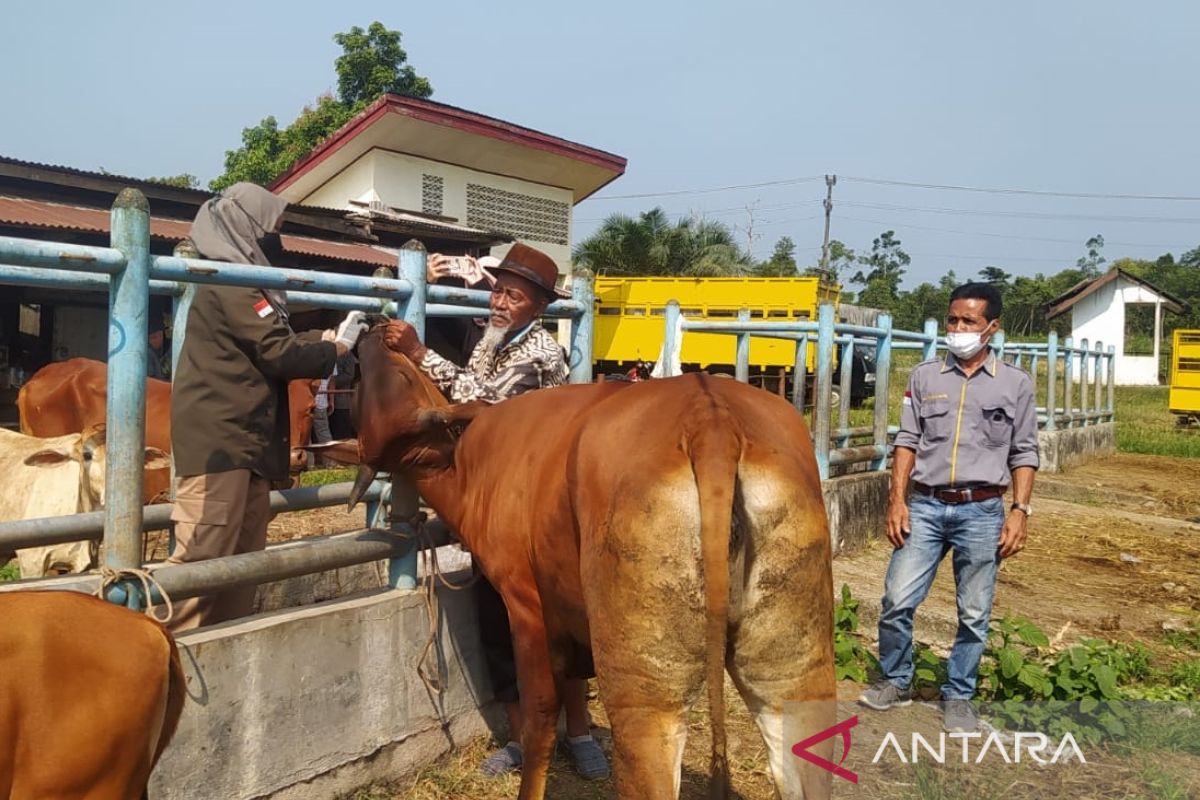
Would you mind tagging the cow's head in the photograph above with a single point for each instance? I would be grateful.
(89, 451)
(399, 415)
(301, 403)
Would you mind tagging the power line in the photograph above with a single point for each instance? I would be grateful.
(1023, 214)
(675, 192)
(1013, 236)
(700, 214)
(1034, 192)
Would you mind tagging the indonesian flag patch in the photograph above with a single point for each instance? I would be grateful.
(263, 308)
(908, 398)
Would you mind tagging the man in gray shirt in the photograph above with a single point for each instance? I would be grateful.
(968, 428)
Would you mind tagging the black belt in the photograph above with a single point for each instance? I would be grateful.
(968, 494)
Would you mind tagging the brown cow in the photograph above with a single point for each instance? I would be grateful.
(90, 694)
(692, 506)
(70, 396)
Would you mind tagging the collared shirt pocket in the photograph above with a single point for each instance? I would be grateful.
(937, 423)
(998, 421)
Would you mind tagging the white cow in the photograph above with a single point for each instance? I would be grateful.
(53, 477)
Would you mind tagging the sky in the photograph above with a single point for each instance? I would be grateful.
(1071, 96)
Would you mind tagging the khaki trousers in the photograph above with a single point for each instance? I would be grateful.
(215, 515)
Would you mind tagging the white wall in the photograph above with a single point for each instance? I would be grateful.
(1100, 317)
(352, 183)
(396, 179)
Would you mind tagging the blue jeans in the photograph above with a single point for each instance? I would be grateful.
(972, 531)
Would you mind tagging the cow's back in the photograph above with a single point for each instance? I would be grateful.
(89, 694)
(72, 396)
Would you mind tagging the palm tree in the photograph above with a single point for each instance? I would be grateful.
(651, 245)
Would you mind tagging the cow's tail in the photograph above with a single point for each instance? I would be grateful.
(714, 450)
(173, 709)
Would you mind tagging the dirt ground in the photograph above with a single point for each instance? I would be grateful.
(1116, 567)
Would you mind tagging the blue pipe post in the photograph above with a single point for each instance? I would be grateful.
(583, 291)
(181, 304)
(930, 344)
(1083, 382)
(405, 502)
(741, 369)
(997, 344)
(1051, 381)
(1097, 381)
(883, 372)
(1069, 381)
(846, 371)
(800, 374)
(671, 317)
(128, 308)
(1110, 378)
(821, 431)
(412, 269)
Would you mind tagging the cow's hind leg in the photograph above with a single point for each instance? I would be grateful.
(781, 655)
(646, 614)
(539, 688)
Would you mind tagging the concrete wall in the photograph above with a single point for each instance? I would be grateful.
(857, 508)
(1063, 448)
(315, 702)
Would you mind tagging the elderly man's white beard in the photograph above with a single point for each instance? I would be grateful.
(493, 339)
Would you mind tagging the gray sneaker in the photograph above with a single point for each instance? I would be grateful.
(959, 716)
(884, 695)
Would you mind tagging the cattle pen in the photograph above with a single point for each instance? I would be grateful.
(1075, 388)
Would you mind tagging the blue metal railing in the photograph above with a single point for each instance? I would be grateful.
(832, 446)
(130, 274)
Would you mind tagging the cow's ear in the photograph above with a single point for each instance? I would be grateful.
(47, 458)
(157, 459)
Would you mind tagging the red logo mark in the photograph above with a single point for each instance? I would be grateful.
(801, 749)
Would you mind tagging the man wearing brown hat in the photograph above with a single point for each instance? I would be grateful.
(515, 355)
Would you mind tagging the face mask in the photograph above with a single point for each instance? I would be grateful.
(271, 246)
(964, 344)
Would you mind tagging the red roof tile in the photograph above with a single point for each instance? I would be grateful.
(58, 216)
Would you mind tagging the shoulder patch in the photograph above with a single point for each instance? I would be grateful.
(263, 308)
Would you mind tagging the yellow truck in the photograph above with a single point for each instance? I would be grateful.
(1183, 399)
(629, 322)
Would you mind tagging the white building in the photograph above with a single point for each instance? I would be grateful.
(1098, 314)
(407, 158)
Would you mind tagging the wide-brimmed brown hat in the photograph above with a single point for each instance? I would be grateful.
(534, 266)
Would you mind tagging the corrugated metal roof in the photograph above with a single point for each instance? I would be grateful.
(58, 216)
(406, 225)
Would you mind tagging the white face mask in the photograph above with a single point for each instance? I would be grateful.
(964, 344)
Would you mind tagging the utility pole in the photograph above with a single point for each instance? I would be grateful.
(830, 182)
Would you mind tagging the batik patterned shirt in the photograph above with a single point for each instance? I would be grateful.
(531, 360)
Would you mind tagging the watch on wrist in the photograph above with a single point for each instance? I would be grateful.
(1023, 508)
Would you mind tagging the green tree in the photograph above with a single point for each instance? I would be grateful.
(841, 259)
(652, 245)
(184, 180)
(371, 64)
(995, 275)
(882, 271)
(782, 263)
(1089, 264)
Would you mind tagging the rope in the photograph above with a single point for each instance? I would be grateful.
(111, 575)
(433, 576)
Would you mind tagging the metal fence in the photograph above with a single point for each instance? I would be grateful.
(130, 274)
(1047, 362)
